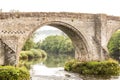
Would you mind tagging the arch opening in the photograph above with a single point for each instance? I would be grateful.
(114, 45)
(58, 47)
(78, 40)
(82, 52)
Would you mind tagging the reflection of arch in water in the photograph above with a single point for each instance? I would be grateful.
(79, 41)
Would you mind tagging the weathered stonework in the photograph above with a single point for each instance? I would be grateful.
(89, 33)
(2, 56)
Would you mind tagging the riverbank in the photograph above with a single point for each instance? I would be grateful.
(109, 67)
(32, 54)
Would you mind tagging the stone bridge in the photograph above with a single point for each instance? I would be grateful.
(90, 33)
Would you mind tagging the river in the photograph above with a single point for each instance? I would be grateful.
(52, 69)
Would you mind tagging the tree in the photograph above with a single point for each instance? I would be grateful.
(114, 45)
(66, 46)
(58, 45)
(37, 45)
(29, 44)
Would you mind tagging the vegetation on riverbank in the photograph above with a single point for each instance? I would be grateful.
(13, 73)
(108, 67)
(33, 53)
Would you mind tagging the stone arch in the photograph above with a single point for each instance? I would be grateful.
(80, 43)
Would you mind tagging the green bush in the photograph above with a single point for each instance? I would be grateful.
(13, 73)
(33, 53)
(43, 53)
(36, 53)
(23, 55)
(109, 67)
(68, 65)
(26, 55)
(30, 54)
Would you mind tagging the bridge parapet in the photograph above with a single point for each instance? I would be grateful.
(46, 14)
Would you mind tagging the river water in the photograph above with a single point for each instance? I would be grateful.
(42, 72)
(52, 69)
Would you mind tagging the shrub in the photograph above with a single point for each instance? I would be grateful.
(33, 53)
(109, 67)
(23, 55)
(30, 54)
(43, 53)
(68, 65)
(13, 73)
(36, 53)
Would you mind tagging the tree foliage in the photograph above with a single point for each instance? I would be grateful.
(37, 45)
(57, 44)
(51, 44)
(114, 45)
(28, 45)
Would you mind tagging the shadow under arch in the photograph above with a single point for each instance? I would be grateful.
(79, 41)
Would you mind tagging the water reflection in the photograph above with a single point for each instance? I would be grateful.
(56, 60)
(28, 63)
